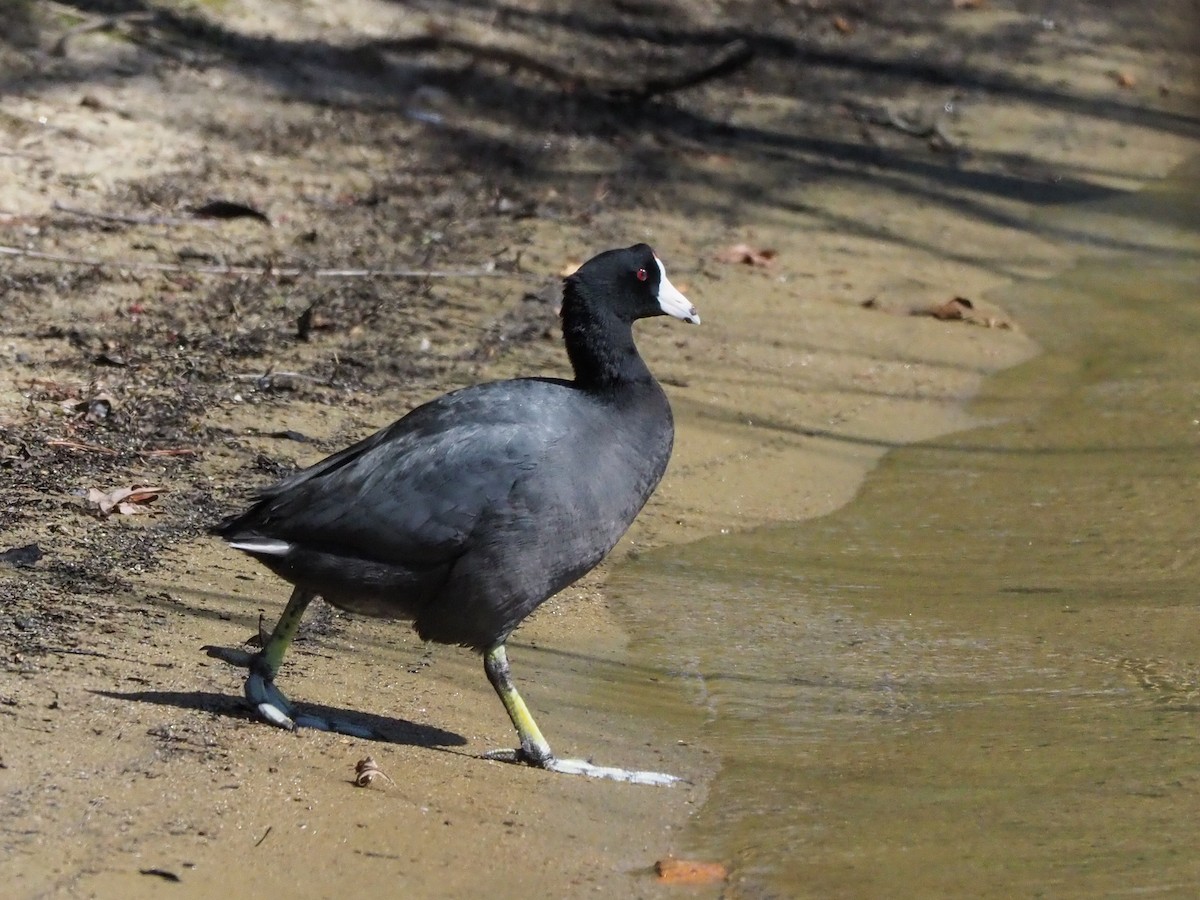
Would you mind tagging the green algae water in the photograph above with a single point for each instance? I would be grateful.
(982, 677)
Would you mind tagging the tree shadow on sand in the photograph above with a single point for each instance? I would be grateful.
(519, 80)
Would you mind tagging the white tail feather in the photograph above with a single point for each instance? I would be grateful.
(269, 546)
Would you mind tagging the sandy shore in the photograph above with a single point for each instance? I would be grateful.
(126, 758)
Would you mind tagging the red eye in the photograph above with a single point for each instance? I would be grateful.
(641, 273)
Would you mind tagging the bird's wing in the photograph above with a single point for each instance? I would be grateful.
(414, 491)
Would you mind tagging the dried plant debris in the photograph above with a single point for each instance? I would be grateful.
(960, 309)
(956, 309)
(745, 254)
(953, 310)
(164, 874)
(94, 410)
(227, 209)
(128, 501)
(366, 771)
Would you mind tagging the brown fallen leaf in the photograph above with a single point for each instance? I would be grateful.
(128, 501)
(744, 254)
(959, 309)
(689, 871)
(950, 311)
(1125, 79)
(843, 25)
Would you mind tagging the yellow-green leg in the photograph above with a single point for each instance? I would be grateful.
(267, 662)
(534, 749)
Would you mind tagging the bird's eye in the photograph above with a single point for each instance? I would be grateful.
(641, 274)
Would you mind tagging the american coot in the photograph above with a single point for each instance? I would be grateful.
(472, 510)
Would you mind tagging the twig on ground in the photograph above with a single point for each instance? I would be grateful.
(133, 265)
(266, 375)
(75, 651)
(101, 23)
(933, 129)
(85, 447)
(128, 219)
(515, 59)
(268, 380)
(80, 445)
(729, 59)
(171, 451)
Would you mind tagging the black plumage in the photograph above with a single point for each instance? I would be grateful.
(473, 509)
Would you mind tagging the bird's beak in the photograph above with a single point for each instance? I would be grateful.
(673, 302)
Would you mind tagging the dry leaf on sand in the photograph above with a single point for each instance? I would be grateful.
(128, 501)
(960, 309)
(689, 871)
(744, 254)
(950, 311)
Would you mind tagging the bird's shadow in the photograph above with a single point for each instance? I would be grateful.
(365, 726)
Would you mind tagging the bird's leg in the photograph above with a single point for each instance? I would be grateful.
(534, 749)
(267, 700)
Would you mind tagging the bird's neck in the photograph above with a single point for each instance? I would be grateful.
(600, 347)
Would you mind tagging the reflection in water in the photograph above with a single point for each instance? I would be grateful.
(982, 678)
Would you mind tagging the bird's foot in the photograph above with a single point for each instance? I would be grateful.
(264, 697)
(241, 659)
(552, 763)
(271, 705)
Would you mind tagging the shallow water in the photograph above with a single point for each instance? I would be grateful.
(982, 677)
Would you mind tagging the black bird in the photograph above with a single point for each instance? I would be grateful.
(472, 510)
